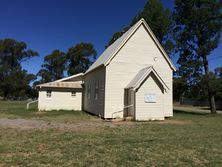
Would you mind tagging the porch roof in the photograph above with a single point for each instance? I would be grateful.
(136, 82)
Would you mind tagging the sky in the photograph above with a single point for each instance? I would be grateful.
(46, 25)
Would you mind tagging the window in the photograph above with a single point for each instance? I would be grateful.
(88, 91)
(96, 95)
(48, 93)
(73, 94)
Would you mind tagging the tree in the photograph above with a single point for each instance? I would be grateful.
(179, 88)
(198, 26)
(117, 35)
(216, 83)
(159, 20)
(53, 67)
(218, 72)
(23, 87)
(80, 57)
(13, 79)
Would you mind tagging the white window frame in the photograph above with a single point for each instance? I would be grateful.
(48, 94)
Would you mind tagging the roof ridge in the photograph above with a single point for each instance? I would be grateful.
(112, 50)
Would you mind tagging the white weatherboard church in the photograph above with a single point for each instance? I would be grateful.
(132, 78)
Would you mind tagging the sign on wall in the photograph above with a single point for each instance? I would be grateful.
(150, 98)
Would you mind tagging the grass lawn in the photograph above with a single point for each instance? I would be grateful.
(192, 109)
(187, 139)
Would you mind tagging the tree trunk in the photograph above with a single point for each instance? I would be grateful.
(5, 95)
(213, 108)
(210, 95)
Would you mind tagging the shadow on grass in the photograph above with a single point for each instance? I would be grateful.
(208, 108)
(53, 113)
(189, 112)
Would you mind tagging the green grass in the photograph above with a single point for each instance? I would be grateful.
(191, 109)
(17, 109)
(187, 139)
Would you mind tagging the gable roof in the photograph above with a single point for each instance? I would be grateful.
(113, 49)
(64, 83)
(136, 82)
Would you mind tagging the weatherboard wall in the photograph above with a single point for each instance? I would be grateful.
(139, 51)
(91, 103)
(150, 110)
(61, 99)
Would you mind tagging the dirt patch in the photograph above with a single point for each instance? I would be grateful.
(40, 113)
(26, 124)
(85, 126)
(176, 122)
(41, 147)
(120, 123)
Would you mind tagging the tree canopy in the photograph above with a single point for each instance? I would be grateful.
(197, 33)
(53, 68)
(159, 20)
(193, 30)
(80, 57)
(14, 81)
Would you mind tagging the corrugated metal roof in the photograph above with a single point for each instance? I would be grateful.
(61, 85)
(142, 75)
(138, 77)
(108, 54)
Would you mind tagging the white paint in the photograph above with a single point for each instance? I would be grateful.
(136, 54)
(61, 99)
(150, 110)
(92, 104)
(106, 81)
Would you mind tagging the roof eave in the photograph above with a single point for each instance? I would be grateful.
(91, 70)
(73, 76)
(135, 27)
(145, 75)
(159, 45)
(60, 87)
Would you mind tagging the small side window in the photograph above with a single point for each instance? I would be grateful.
(73, 94)
(48, 93)
(88, 92)
(96, 90)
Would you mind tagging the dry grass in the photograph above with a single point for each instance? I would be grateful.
(187, 139)
(175, 122)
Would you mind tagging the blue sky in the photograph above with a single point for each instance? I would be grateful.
(46, 25)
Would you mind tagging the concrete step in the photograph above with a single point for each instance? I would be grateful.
(129, 118)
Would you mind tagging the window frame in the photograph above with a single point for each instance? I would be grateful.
(48, 94)
(73, 94)
(96, 91)
(88, 91)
